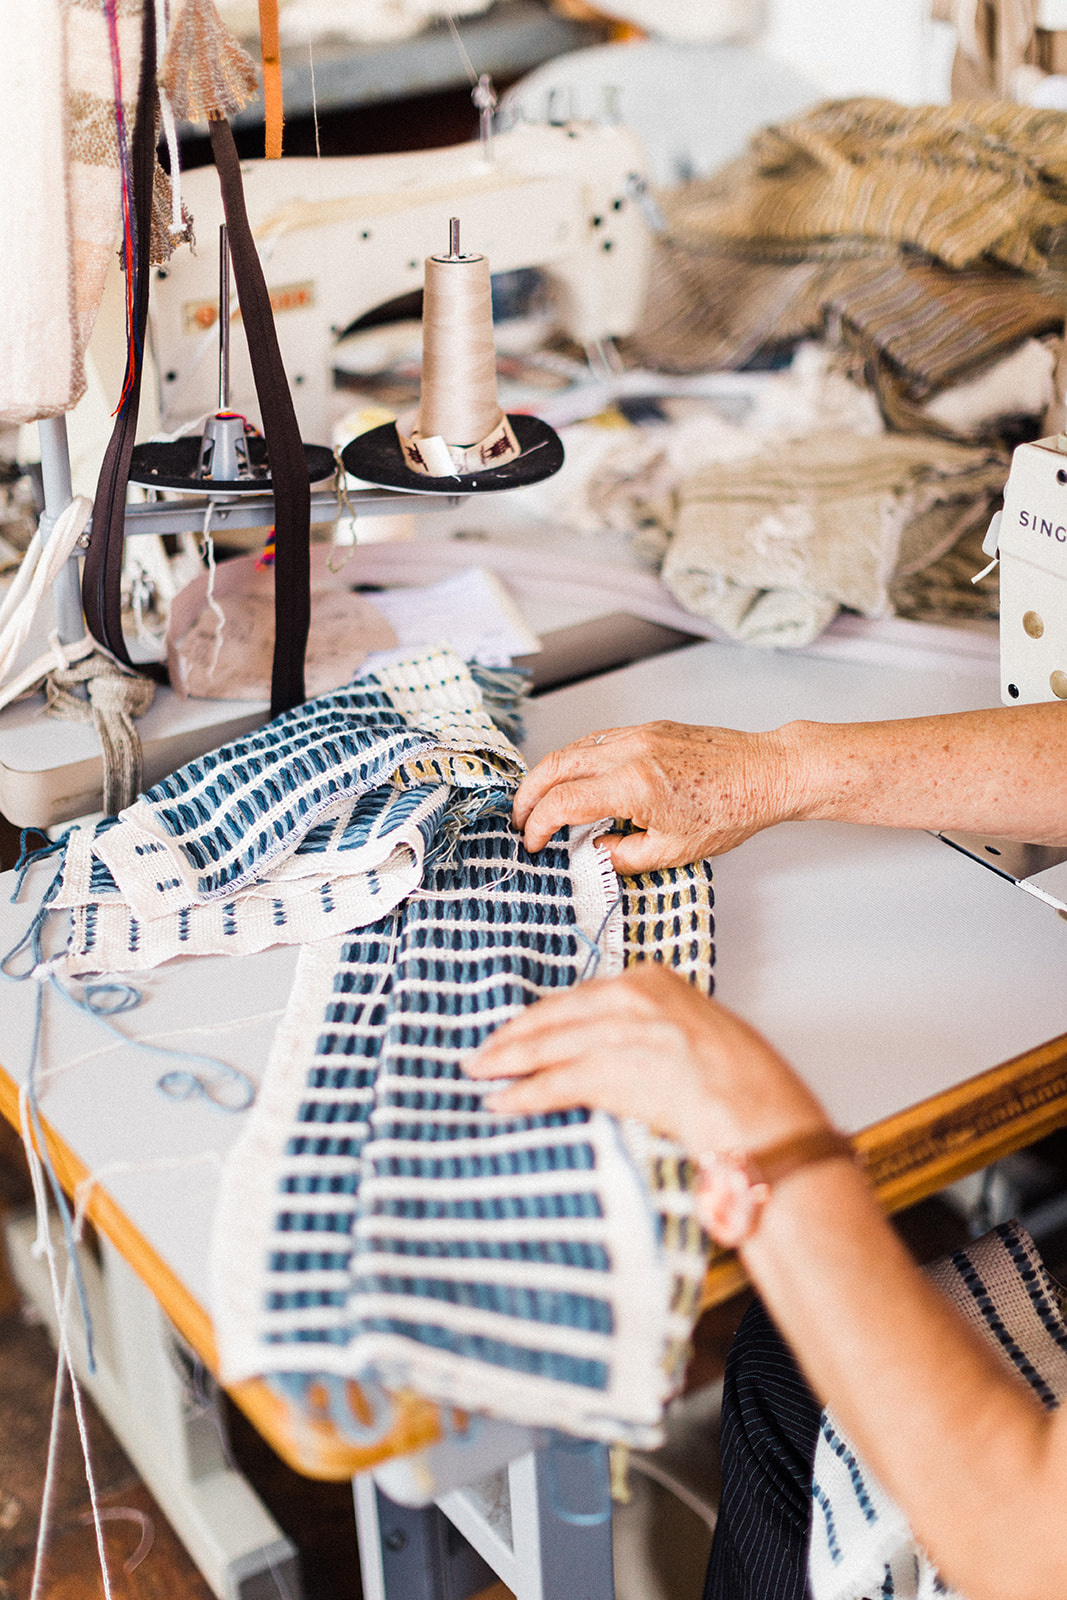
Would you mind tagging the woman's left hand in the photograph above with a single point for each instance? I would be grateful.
(650, 1046)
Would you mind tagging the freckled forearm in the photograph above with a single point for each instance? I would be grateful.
(999, 771)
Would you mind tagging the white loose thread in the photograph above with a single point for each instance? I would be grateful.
(208, 550)
(311, 70)
(43, 1246)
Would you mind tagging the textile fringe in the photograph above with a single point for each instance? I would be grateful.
(116, 696)
(207, 73)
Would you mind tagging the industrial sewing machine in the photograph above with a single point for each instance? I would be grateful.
(1030, 535)
(339, 237)
(342, 235)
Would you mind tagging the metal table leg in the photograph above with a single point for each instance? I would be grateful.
(542, 1525)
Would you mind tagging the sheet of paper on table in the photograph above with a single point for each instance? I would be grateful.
(473, 612)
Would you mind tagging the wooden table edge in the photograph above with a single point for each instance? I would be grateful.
(908, 1156)
(916, 1152)
(319, 1450)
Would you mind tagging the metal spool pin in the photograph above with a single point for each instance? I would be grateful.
(223, 449)
(224, 318)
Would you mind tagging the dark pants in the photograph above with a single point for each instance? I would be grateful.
(770, 1426)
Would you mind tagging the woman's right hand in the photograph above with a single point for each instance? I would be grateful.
(647, 1044)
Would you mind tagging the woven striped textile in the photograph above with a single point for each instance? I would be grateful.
(376, 1224)
(923, 236)
(345, 871)
(317, 823)
(861, 1545)
(219, 822)
(968, 183)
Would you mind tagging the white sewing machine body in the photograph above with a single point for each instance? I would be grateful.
(342, 235)
(1031, 534)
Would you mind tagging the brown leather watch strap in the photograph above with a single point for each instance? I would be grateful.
(734, 1185)
(777, 1161)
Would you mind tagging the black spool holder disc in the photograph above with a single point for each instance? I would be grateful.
(174, 466)
(377, 458)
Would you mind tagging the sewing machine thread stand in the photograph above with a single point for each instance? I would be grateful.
(459, 437)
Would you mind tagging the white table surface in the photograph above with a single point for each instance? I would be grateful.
(884, 964)
(887, 966)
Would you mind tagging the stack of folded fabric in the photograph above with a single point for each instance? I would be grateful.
(377, 1225)
(771, 546)
(925, 236)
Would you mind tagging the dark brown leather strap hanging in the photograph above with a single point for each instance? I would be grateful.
(288, 463)
(102, 573)
(102, 576)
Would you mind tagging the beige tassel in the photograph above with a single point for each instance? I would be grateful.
(206, 72)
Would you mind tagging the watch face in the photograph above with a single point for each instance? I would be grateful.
(728, 1202)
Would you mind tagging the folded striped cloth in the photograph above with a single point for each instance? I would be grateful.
(921, 235)
(378, 1230)
(317, 823)
(861, 1545)
(377, 1224)
(968, 184)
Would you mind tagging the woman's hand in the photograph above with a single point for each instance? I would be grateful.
(693, 791)
(648, 1045)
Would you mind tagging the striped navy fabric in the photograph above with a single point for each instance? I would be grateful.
(220, 822)
(770, 1422)
(861, 1544)
(546, 1269)
(345, 872)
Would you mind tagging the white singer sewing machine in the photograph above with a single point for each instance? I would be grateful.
(1030, 536)
(342, 235)
(1030, 539)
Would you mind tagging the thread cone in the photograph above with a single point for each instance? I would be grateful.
(459, 401)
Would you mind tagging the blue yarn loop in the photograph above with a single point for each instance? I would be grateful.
(28, 857)
(32, 938)
(224, 1086)
(109, 999)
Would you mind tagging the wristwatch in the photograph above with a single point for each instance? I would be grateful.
(734, 1185)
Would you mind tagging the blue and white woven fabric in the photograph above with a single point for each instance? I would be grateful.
(315, 824)
(861, 1545)
(346, 871)
(377, 1223)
